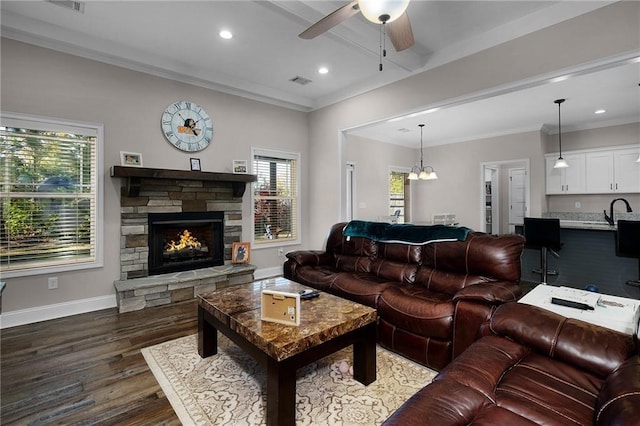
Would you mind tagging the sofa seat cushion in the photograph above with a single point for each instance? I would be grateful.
(529, 384)
(361, 287)
(320, 277)
(418, 310)
(446, 402)
(549, 391)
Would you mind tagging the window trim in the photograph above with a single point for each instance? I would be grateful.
(49, 123)
(289, 155)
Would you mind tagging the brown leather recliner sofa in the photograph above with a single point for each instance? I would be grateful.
(534, 367)
(431, 298)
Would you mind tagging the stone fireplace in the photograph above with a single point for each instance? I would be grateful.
(155, 207)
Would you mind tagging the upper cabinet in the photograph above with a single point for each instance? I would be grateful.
(626, 170)
(569, 180)
(598, 171)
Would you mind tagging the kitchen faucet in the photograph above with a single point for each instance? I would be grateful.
(609, 218)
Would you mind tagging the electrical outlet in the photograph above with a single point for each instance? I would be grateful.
(578, 204)
(53, 283)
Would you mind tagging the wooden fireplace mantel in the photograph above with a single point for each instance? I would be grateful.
(135, 174)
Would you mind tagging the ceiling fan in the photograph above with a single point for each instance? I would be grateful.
(390, 13)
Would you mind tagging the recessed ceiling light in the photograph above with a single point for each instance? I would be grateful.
(600, 111)
(323, 70)
(226, 34)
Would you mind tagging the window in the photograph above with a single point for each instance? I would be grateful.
(50, 213)
(275, 197)
(399, 196)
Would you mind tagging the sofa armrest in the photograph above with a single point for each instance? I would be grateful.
(492, 293)
(310, 257)
(619, 399)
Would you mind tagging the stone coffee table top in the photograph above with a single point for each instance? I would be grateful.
(321, 318)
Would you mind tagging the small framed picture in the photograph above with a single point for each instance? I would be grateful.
(130, 159)
(195, 164)
(239, 166)
(240, 252)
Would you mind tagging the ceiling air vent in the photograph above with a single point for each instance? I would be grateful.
(77, 6)
(300, 80)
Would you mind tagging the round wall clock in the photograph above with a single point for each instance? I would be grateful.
(187, 126)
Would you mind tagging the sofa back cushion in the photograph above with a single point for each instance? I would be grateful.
(350, 254)
(590, 347)
(451, 266)
(397, 262)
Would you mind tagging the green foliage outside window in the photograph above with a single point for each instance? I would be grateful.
(48, 187)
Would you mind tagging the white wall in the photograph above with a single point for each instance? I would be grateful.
(606, 32)
(372, 162)
(460, 181)
(129, 104)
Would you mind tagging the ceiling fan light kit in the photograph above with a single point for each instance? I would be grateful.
(382, 11)
(390, 14)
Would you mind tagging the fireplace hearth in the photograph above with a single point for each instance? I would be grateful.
(185, 240)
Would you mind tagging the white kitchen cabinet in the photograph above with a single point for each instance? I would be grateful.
(599, 177)
(612, 171)
(568, 180)
(626, 170)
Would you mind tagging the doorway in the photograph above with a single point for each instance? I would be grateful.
(492, 202)
(496, 208)
(517, 203)
(350, 190)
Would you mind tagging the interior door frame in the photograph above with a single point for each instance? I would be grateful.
(500, 164)
(509, 173)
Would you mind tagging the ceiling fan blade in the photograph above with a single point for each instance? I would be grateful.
(400, 33)
(331, 20)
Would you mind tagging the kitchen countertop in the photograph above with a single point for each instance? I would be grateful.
(587, 225)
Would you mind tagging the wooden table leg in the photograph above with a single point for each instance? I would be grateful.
(207, 336)
(281, 394)
(364, 356)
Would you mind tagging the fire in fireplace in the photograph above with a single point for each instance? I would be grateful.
(184, 241)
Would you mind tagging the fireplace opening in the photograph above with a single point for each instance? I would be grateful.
(185, 241)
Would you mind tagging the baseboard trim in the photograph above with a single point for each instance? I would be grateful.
(74, 307)
(261, 274)
(57, 310)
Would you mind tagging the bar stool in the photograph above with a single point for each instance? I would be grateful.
(628, 243)
(543, 234)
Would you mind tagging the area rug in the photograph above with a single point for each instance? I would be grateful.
(230, 388)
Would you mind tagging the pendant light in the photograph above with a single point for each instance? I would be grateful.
(560, 163)
(423, 173)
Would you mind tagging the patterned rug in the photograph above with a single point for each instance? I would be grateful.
(230, 387)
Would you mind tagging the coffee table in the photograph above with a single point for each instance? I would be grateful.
(621, 315)
(327, 324)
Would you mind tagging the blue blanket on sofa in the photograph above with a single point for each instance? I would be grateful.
(404, 232)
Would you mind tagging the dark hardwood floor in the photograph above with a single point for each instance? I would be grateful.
(88, 368)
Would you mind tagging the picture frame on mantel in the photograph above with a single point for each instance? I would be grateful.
(240, 252)
(240, 166)
(130, 159)
(195, 164)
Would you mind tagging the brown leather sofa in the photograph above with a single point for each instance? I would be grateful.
(534, 367)
(431, 298)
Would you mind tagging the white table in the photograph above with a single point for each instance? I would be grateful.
(623, 319)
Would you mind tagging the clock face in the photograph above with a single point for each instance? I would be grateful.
(187, 126)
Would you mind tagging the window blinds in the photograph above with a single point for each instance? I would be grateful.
(48, 185)
(275, 198)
